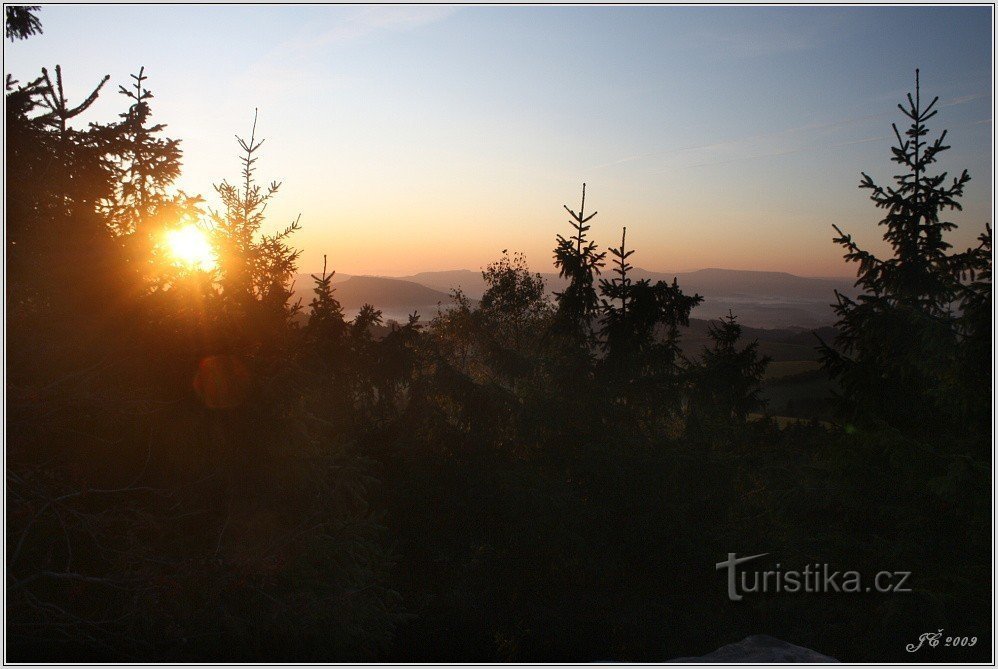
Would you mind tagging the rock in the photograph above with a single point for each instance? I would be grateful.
(759, 648)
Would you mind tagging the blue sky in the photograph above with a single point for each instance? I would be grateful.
(419, 138)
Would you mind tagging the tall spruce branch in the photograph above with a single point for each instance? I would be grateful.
(54, 99)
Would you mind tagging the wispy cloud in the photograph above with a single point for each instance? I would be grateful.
(741, 37)
(962, 100)
(294, 62)
(786, 152)
(362, 22)
(865, 140)
(748, 140)
(787, 133)
(825, 147)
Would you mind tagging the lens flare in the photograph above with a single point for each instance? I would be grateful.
(222, 381)
(190, 248)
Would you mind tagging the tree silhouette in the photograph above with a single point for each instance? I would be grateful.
(640, 334)
(147, 163)
(578, 260)
(726, 379)
(514, 298)
(617, 333)
(256, 269)
(141, 209)
(62, 260)
(54, 99)
(513, 314)
(898, 342)
(21, 22)
(972, 382)
(325, 310)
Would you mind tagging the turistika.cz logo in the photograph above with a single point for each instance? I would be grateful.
(813, 578)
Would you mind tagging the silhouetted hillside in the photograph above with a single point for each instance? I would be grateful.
(303, 281)
(731, 282)
(759, 299)
(384, 293)
(710, 281)
(470, 281)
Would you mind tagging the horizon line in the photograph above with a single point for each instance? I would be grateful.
(688, 271)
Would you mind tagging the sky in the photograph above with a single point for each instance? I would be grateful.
(418, 138)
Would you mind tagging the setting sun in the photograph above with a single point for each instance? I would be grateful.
(189, 247)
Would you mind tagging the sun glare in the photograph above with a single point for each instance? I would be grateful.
(189, 247)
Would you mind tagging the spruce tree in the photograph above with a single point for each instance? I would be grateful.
(21, 22)
(578, 261)
(63, 263)
(617, 336)
(639, 333)
(727, 379)
(256, 269)
(147, 163)
(899, 342)
(326, 312)
(971, 383)
(142, 209)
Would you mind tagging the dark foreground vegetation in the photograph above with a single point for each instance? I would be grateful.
(198, 469)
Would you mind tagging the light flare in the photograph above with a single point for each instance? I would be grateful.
(190, 248)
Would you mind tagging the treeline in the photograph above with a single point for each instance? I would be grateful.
(200, 469)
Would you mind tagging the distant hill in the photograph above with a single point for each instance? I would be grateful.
(733, 283)
(469, 281)
(764, 299)
(395, 297)
(759, 299)
(304, 281)
(711, 281)
(385, 292)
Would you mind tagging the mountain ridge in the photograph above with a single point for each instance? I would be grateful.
(759, 298)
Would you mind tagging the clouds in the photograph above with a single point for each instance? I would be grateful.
(298, 60)
(794, 140)
(761, 145)
(744, 34)
(786, 152)
(359, 23)
(962, 100)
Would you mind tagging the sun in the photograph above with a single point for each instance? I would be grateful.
(190, 248)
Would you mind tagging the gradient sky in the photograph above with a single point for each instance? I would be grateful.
(427, 138)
